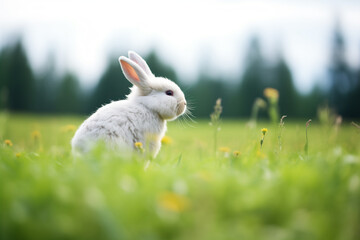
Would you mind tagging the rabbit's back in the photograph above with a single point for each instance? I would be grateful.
(119, 125)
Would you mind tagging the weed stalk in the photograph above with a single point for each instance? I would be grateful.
(281, 126)
(216, 120)
(306, 147)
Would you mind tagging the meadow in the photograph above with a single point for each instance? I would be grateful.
(204, 184)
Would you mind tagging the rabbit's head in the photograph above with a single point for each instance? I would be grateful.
(156, 93)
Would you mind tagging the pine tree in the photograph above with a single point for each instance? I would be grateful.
(159, 68)
(205, 92)
(19, 80)
(112, 86)
(69, 95)
(4, 67)
(252, 82)
(283, 82)
(46, 85)
(340, 76)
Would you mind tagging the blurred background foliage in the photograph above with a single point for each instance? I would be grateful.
(23, 89)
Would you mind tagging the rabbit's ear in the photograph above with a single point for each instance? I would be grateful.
(134, 73)
(141, 62)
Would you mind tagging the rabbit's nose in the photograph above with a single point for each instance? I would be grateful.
(185, 103)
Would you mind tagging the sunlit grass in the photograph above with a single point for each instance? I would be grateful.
(188, 192)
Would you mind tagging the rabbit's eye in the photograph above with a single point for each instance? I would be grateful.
(169, 93)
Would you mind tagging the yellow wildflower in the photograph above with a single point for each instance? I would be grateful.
(264, 131)
(236, 153)
(138, 144)
(271, 93)
(259, 154)
(204, 175)
(173, 202)
(166, 140)
(224, 149)
(8, 143)
(18, 155)
(35, 135)
(69, 128)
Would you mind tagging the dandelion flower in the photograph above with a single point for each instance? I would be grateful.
(264, 131)
(139, 147)
(166, 140)
(69, 128)
(36, 135)
(224, 149)
(236, 153)
(173, 202)
(204, 175)
(259, 154)
(8, 143)
(138, 144)
(18, 155)
(271, 93)
(272, 96)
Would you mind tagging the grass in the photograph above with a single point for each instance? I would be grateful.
(187, 192)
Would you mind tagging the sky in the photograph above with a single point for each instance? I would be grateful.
(82, 36)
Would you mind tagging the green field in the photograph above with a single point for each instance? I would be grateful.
(192, 190)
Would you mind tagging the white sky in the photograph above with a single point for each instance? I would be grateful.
(83, 34)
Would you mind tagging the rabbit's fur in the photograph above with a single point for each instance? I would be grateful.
(140, 118)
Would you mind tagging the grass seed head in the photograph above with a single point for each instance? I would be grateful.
(215, 116)
(355, 125)
(282, 120)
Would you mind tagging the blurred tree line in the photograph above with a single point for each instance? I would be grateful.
(23, 90)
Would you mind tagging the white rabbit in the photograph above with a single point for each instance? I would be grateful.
(140, 118)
